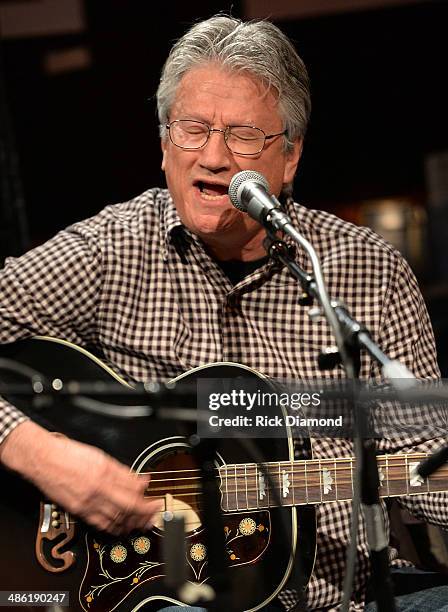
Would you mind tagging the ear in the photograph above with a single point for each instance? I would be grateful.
(292, 161)
(163, 147)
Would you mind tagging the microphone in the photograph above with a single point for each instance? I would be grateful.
(249, 192)
(245, 185)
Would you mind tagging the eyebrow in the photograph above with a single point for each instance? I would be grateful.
(233, 124)
(195, 117)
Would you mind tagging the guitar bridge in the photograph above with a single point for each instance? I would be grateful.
(54, 524)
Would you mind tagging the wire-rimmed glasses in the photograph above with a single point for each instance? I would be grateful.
(240, 139)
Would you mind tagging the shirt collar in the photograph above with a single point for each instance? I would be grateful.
(170, 222)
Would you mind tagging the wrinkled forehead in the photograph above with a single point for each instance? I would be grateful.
(212, 84)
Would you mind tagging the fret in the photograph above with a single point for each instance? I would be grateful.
(287, 487)
(277, 482)
(281, 482)
(387, 475)
(241, 487)
(407, 473)
(320, 480)
(335, 479)
(279, 486)
(314, 480)
(245, 479)
(232, 487)
(344, 469)
(251, 486)
(397, 475)
(351, 475)
(299, 478)
(306, 483)
(327, 478)
(263, 489)
(268, 484)
(292, 468)
(236, 487)
(257, 490)
(428, 483)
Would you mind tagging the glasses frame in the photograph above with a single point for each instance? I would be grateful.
(225, 132)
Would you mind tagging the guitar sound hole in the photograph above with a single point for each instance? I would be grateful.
(175, 478)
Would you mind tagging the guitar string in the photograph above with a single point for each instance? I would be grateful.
(199, 507)
(392, 478)
(196, 488)
(232, 474)
(274, 464)
(391, 475)
(230, 491)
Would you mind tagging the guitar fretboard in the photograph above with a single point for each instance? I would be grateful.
(250, 486)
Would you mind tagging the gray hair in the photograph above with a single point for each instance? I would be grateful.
(256, 47)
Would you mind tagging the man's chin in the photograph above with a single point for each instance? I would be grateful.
(217, 221)
(211, 230)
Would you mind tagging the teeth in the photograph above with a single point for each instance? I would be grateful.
(206, 196)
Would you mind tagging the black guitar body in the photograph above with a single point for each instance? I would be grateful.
(41, 549)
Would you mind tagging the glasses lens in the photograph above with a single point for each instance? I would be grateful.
(245, 140)
(188, 134)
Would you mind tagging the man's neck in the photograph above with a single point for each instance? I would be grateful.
(250, 251)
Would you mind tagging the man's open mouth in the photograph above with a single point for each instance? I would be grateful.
(211, 191)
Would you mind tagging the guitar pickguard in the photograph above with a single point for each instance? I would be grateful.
(118, 567)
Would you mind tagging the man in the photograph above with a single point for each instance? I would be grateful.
(175, 279)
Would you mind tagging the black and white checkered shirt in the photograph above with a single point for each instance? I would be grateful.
(133, 281)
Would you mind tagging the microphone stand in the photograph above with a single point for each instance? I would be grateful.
(204, 451)
(350, 336)
(433, 463)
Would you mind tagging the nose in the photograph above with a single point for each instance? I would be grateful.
(215, 156)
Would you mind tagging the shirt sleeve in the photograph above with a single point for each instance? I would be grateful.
(52, 290)
(407, 335)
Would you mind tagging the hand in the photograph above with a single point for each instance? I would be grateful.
(82, 479)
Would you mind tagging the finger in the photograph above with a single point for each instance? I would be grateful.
(143, 481)
(103, 523)
(157, 507)
(143, 515)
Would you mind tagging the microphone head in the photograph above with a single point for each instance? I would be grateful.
(242, 177)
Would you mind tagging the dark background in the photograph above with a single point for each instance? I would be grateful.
(86, 138)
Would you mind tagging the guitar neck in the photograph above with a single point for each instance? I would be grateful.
(250, 486)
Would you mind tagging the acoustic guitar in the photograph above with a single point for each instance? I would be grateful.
(267, 506)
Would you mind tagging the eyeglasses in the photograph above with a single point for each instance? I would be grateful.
(240, 139)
